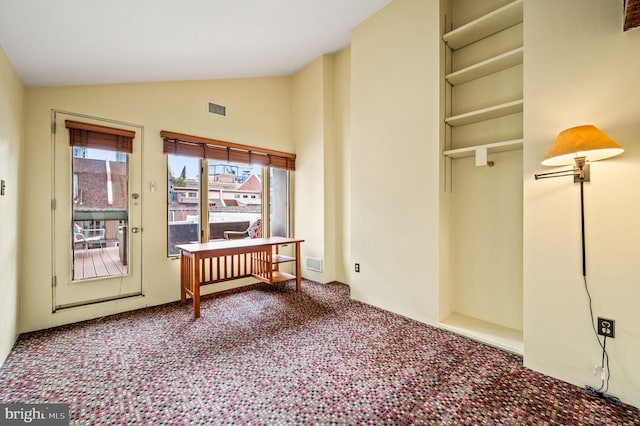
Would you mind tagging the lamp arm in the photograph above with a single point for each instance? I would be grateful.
(580, 173)
(559, 173)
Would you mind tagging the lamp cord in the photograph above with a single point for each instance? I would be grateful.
(584, 255)
(604, 385)
(605, 356)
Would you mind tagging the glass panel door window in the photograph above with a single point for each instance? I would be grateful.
(99, 211)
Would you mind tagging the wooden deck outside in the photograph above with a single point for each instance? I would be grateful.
(97, 263)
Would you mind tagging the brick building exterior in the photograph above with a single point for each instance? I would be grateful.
(99, 186)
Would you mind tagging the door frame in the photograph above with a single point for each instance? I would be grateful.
(134, 273)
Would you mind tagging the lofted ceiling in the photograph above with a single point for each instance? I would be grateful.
(91, 42)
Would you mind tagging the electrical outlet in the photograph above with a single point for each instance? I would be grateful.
(2, 187)
(607, 327)
(357, 267)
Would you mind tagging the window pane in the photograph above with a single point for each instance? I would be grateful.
(100, 213)
(279, 203)
(183, 201)
(235, 200)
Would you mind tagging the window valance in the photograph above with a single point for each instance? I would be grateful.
(100, 137)
(195, 146)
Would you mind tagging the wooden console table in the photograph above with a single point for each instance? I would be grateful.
(214, 262)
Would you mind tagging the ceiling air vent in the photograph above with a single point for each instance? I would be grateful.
(218, 109)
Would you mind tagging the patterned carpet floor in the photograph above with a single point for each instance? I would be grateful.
(270, 355)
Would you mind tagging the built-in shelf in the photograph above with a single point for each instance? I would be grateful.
(488, 113)
(490, 148)
(492, 334)
(507, 85)
(491, 23)
(484, 68)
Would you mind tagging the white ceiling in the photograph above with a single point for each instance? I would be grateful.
(111, 41)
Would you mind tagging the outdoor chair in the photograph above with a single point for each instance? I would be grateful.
(87, 237)
(254, 231)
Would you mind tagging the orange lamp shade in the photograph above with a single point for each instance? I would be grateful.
(582, 141)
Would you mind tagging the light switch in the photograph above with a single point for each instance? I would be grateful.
(152, 186)
(2, 187)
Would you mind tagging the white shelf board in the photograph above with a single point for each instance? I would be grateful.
(484, 68)
(492, 334)
(485, 113)
(490, 147)
(491, 23)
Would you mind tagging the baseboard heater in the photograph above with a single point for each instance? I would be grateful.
(313, 264)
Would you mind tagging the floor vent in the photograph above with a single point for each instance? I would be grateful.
(218, 109)
(313, 264)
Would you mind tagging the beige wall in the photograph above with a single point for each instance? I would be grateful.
(11, 141)
(395, 156)
(580, 68)
(342, 134)
(329, 148)
(307, 109)
(258, 115)
(315, 182)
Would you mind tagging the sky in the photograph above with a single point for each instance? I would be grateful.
(176, 165)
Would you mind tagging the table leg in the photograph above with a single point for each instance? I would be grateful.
(195, 281)
(298, 274)
(276, 267)
(183, 277)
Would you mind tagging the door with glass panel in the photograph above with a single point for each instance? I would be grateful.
(96, 210)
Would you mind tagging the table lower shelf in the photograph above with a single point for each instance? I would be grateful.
(281, 258)
(276, 277)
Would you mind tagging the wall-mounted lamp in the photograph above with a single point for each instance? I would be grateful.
(579, 146)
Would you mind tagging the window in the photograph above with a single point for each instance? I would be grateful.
(236, 181)
(183, 209)
(228, 212)
(279, 205)
(99, 205)
(100, 180)
(226, 209)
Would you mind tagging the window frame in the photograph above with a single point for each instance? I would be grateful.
(203, 201)
(206, 149)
